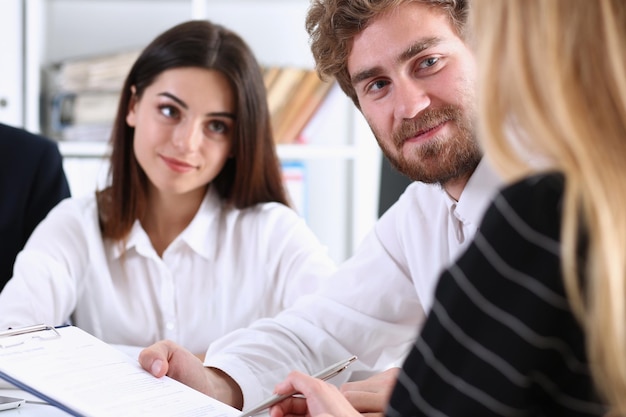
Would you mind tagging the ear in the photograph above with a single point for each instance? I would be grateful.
(131, 116)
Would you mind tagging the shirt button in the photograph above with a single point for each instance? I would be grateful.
(170, 325)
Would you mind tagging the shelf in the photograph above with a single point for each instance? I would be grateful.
(316, 151)
(301, 152)
(84, 149)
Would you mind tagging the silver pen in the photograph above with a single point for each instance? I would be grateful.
(324, 374)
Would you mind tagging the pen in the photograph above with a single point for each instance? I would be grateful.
(324, 374)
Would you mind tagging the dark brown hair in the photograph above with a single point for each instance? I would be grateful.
(251, 176)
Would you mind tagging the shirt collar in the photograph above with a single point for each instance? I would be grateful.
(477, 194)
(196, 234)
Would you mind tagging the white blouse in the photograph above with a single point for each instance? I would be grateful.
(226, 269)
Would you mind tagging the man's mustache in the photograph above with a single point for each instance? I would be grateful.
(427, 120)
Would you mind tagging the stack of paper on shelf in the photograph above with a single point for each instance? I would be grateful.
(83, 94)
(99, 73)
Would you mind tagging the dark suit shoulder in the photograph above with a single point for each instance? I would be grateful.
(16, 141)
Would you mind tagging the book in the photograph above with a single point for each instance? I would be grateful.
(80, 374)
(269, 76)
(330, 111)
(281, 92)
(302, 106)
(294, 178)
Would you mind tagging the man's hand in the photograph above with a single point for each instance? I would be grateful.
(320, 398)
(168, 358)
(371, 396)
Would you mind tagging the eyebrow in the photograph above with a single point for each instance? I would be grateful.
(417, 48)
(186, 107)
(413, 50)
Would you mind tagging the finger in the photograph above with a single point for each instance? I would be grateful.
(154, 359)
(292, 406)
(286, 386)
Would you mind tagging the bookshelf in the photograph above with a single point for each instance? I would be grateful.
(341, 159)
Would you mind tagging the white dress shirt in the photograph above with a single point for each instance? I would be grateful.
(226, 269)
(374, 304)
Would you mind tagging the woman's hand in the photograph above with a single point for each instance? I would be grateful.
(320, 398)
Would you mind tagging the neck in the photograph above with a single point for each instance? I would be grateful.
(168, 216)
(455, 187)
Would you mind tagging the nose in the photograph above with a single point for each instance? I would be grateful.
(410, 99)
(187, 137)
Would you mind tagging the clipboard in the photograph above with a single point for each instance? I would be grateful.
(24, 334)
(85, 377)
(17, 337)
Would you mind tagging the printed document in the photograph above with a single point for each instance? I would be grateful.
(84, 376)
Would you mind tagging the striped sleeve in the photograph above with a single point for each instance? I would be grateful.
(500, 339)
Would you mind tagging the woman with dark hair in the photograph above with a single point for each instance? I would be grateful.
(193, 236)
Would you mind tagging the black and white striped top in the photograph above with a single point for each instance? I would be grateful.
(500, 339)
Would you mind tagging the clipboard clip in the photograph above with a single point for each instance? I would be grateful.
(15, 337)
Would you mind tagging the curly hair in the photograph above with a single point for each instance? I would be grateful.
(332, 24)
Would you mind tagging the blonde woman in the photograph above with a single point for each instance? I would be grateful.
(555, 74)
(531, 320)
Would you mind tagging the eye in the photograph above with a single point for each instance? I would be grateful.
(168, 111)
(217, 127)
(429, 62)
(377, 85)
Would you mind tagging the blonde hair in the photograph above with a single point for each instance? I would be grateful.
(552, 82)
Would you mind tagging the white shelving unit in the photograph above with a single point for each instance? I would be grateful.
(342, 159)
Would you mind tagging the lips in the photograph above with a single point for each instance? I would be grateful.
(177, 165)
(424, 134)
(423, 131)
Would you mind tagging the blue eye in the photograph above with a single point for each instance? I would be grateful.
(377, 85)
(429, 62)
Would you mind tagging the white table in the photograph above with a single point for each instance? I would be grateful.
(36, 408)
